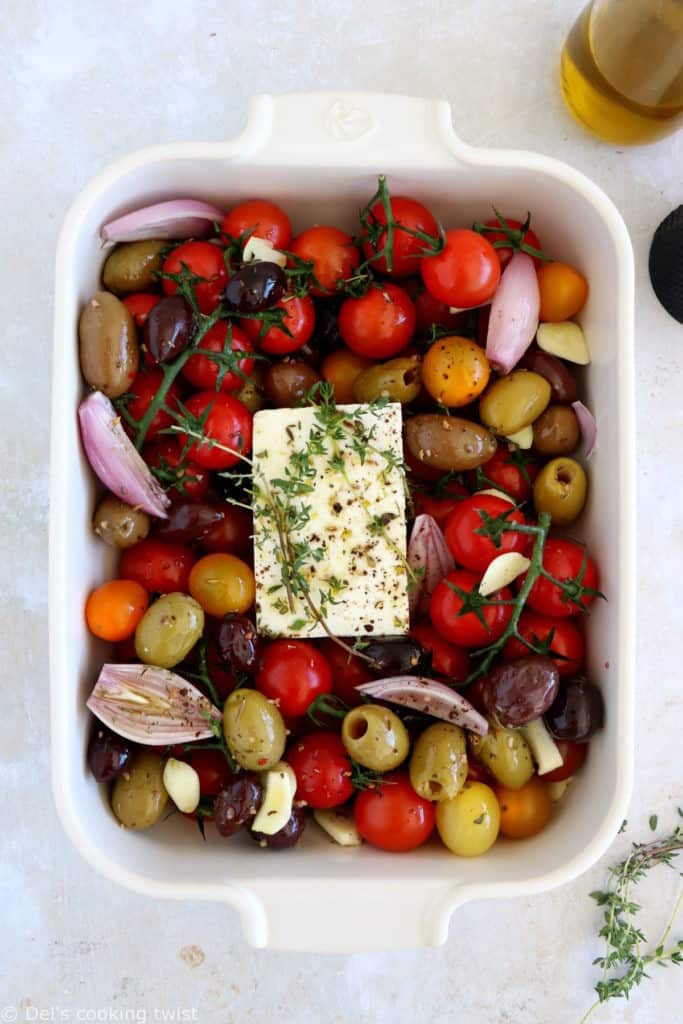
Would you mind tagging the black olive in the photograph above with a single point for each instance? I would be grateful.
(289, 835)
(394, 656)
(577, 712)
(255, 287)
(168, 328)
(237, 803)
(238, 643)
(108, 753)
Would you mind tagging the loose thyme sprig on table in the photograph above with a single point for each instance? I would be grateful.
(624, 964)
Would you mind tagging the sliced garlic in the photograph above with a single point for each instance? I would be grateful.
(502, 571)
(257, 249)
(546, 753)
(279, 787)
(565, 340)
(496, 494)
(182, 784)
(339, 825)
(559, 789)
(523, 438)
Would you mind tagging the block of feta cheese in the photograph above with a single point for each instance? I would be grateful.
(329, 520)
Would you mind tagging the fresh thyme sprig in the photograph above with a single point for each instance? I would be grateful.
(624, 964)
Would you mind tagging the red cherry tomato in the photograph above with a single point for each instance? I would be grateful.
(205, 260)
(228, 424)
(439, 507)
(232, 534)
(166, 455)
(379, 324)
(418, 470)
(392, 816)
(406, 248)
(505, 252)
(261, 218)
(447, 660)
(322, 768)
(567, 641)
(465, 273)
(472, 549)
(139, 305)
(223, 680)
(142, 391)
(467, 630)
(348, 672)
(293, 673)
(212, 769)
(158, 565)
(511, 471)
(333, 254)
(299, 320)
(203, 372)
(563, 559)
(573, 756)
(429, 312)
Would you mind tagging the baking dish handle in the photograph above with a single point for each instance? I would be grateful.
(347, 915)
(343, 129)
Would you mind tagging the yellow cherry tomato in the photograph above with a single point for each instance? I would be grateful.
(524, 812)
(455, 371)
(468, 822)
(222, 584)
(563, 292)
(340, 369)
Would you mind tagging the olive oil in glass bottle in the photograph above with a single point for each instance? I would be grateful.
(622, 69)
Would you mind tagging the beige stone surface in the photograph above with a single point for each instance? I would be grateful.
(84, 82)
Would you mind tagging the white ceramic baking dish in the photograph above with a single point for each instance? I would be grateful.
(319, 155)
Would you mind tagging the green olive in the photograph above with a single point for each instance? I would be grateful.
(108, 346)
(254, 730)
(375, 737)
(560, 490)
(118, 524)
(168, 630)
(505, 753)
(139, 796)
(252, 392)
(438, 765)
(133, 266)
(448, 442)
(514, 401)
(399, 380)
(556, 431)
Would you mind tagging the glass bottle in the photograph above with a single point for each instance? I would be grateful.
(621, 69)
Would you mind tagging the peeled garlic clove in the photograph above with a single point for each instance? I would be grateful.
(559, 789)
(279, 787)
(182, 784)
(523, 438)
(260, 249)
(502, 571)
(338, 823)
(546, 752)
(496, 494)
(565, 340)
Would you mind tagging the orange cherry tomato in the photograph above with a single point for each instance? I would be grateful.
(524, 812)
(222, 584)
(455, 371)
(113, 610)
(563, 292)
(341, 369)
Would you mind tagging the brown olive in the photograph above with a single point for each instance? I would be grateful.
(517, 692)
(556, 431)
(448, 442)
(560, 490)
(251, 393)
(118, 524)
(287, 381)
(514, 401)
(399, 380)
(108, 347)
(133, 267)
(562, 384)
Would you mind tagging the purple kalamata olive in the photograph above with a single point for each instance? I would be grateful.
(577, 712)
(394, 656)
(238, 643)
(563, 390)
(108, 753)
(289, 835)
(188, 521)
(255, 287)
(168, 328)
(237, 803)
(517, 692)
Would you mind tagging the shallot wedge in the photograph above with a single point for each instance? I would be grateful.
(514, 314)
(588, 427)
(152, 705)
(176, 218)
(429, 556)
(115, 459)
(430, 697)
